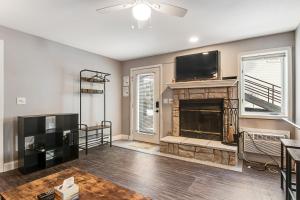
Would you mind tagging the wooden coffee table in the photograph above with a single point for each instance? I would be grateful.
(90, 186)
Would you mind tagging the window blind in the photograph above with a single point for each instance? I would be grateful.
(145, 103)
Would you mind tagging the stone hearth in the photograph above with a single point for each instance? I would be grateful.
(199, 149)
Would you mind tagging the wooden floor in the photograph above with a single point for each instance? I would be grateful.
(164, 178)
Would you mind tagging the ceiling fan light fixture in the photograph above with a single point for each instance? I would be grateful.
(141, 12)
(194, 39)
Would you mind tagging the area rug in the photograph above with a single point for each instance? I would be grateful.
(142, 145)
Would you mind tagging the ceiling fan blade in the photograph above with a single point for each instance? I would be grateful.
(168, 9)
(115, 8)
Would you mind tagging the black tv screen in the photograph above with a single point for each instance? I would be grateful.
(200, 66)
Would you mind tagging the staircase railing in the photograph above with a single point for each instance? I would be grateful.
(263, 89)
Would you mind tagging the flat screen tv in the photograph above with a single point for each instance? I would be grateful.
(201, 66)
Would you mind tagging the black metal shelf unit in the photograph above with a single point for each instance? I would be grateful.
(94, 135)
(47, 140)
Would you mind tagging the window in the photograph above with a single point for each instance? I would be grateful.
(145, 99)
(264, 83)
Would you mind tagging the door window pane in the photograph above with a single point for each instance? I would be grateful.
(145, 103)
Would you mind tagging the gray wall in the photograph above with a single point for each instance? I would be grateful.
(229, 67)
(297, 36)
(47, 74)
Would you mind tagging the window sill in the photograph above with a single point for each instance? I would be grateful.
(262, 117)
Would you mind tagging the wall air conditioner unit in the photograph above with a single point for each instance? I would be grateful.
(266, 140)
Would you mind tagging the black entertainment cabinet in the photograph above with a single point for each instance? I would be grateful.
(47, 140)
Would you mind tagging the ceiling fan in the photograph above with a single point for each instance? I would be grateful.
(141, 9)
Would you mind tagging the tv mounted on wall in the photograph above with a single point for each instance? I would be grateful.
(201, 66)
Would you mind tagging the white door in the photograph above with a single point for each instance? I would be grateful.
(145, 104)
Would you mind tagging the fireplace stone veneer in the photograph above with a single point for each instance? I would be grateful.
(205, 149)
(200, 94)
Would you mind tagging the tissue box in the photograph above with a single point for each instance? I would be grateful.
(69, 193)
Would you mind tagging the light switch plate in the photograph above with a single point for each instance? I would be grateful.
(21, 100)
(125, 92)
(125, 80)
(166, 101)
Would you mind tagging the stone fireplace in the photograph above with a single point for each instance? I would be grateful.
(201, 118)
(203, 113)
(198, 112)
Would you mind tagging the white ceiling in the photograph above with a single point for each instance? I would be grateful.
(76, 23)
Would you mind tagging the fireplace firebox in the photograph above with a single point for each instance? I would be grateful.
(201, 118)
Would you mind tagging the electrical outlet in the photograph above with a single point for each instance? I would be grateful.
(21, 100)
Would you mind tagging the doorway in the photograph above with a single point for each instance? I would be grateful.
(145, 104)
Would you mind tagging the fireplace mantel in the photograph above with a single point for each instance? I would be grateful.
(203, 84)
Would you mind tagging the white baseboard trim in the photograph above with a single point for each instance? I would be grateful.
(10, 165)
(120, 137)
(1, 105)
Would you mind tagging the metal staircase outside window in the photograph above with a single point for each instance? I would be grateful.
(264, 95)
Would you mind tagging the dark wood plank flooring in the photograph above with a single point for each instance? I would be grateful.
(164, 178)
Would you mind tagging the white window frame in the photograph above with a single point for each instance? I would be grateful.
(287, 84)
(1, 105)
